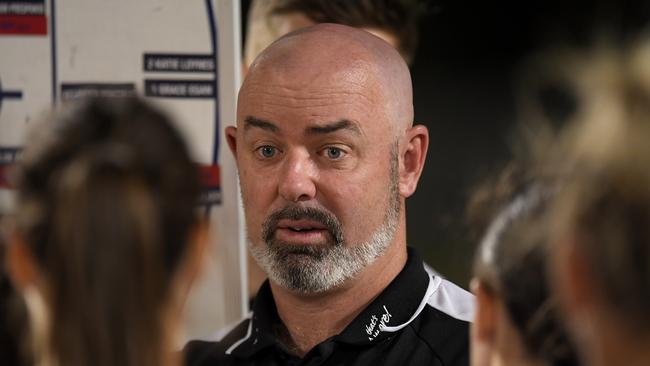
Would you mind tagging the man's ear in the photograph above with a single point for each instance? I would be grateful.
(20, 262)
(231, 137)
(413, 156)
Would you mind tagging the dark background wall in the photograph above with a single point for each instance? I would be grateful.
(464, 78)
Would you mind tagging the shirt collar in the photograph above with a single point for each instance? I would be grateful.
(392, 309)
(261, 332)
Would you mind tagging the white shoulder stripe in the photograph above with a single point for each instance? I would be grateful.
(452, 300)
(222, 332)
(431, 288)
(446, 297)
(248, 335)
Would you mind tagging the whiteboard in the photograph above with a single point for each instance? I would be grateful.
(182, 56)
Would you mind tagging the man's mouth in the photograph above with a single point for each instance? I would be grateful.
(301, 225)
(301, 232)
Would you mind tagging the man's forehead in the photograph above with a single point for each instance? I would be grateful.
(349, 91)
(350, 86)
(308, 108)
(314, 75)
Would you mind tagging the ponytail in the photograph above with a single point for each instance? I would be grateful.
(107, 201)
(106, 300)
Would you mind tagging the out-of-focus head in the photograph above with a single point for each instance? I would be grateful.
(395, 21)
(601, 220)
(327, 152)
(517, 320)
(106, 207)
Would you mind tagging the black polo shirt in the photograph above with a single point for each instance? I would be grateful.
(419, 319)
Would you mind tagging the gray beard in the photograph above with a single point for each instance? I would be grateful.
(314, 269)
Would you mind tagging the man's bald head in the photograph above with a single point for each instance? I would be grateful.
(324, 135)
(335, 52)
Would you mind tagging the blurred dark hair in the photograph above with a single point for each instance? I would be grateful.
(106, 201)
(511, 262)
(397, 17)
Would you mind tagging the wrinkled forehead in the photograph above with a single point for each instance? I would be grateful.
(347, 85)
(315, 78)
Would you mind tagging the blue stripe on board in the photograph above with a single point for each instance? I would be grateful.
(214, 44)
(53, 48)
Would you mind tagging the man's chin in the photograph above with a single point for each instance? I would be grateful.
(300, 251)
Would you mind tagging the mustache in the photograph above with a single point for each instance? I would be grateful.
(302, 213)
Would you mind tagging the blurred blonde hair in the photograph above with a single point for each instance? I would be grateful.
(603, 157)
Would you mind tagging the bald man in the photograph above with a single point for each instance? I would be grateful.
(327, 154)
(394, 21)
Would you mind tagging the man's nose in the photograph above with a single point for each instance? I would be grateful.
(297, 179)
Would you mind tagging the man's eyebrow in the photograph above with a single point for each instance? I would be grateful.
(250, 122)
(343, 124)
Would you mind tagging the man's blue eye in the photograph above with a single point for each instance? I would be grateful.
(334, 153)
(267, 151)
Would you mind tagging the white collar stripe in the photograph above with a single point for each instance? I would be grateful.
(445, 297)
(434, 282)
(248, 335)
(453, 301)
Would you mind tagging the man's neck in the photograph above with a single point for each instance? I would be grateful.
(311, 319)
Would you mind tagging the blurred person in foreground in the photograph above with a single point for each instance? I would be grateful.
(517, 321)
(327, 154)
(106, 237)
(394, 21)
(601, 226)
